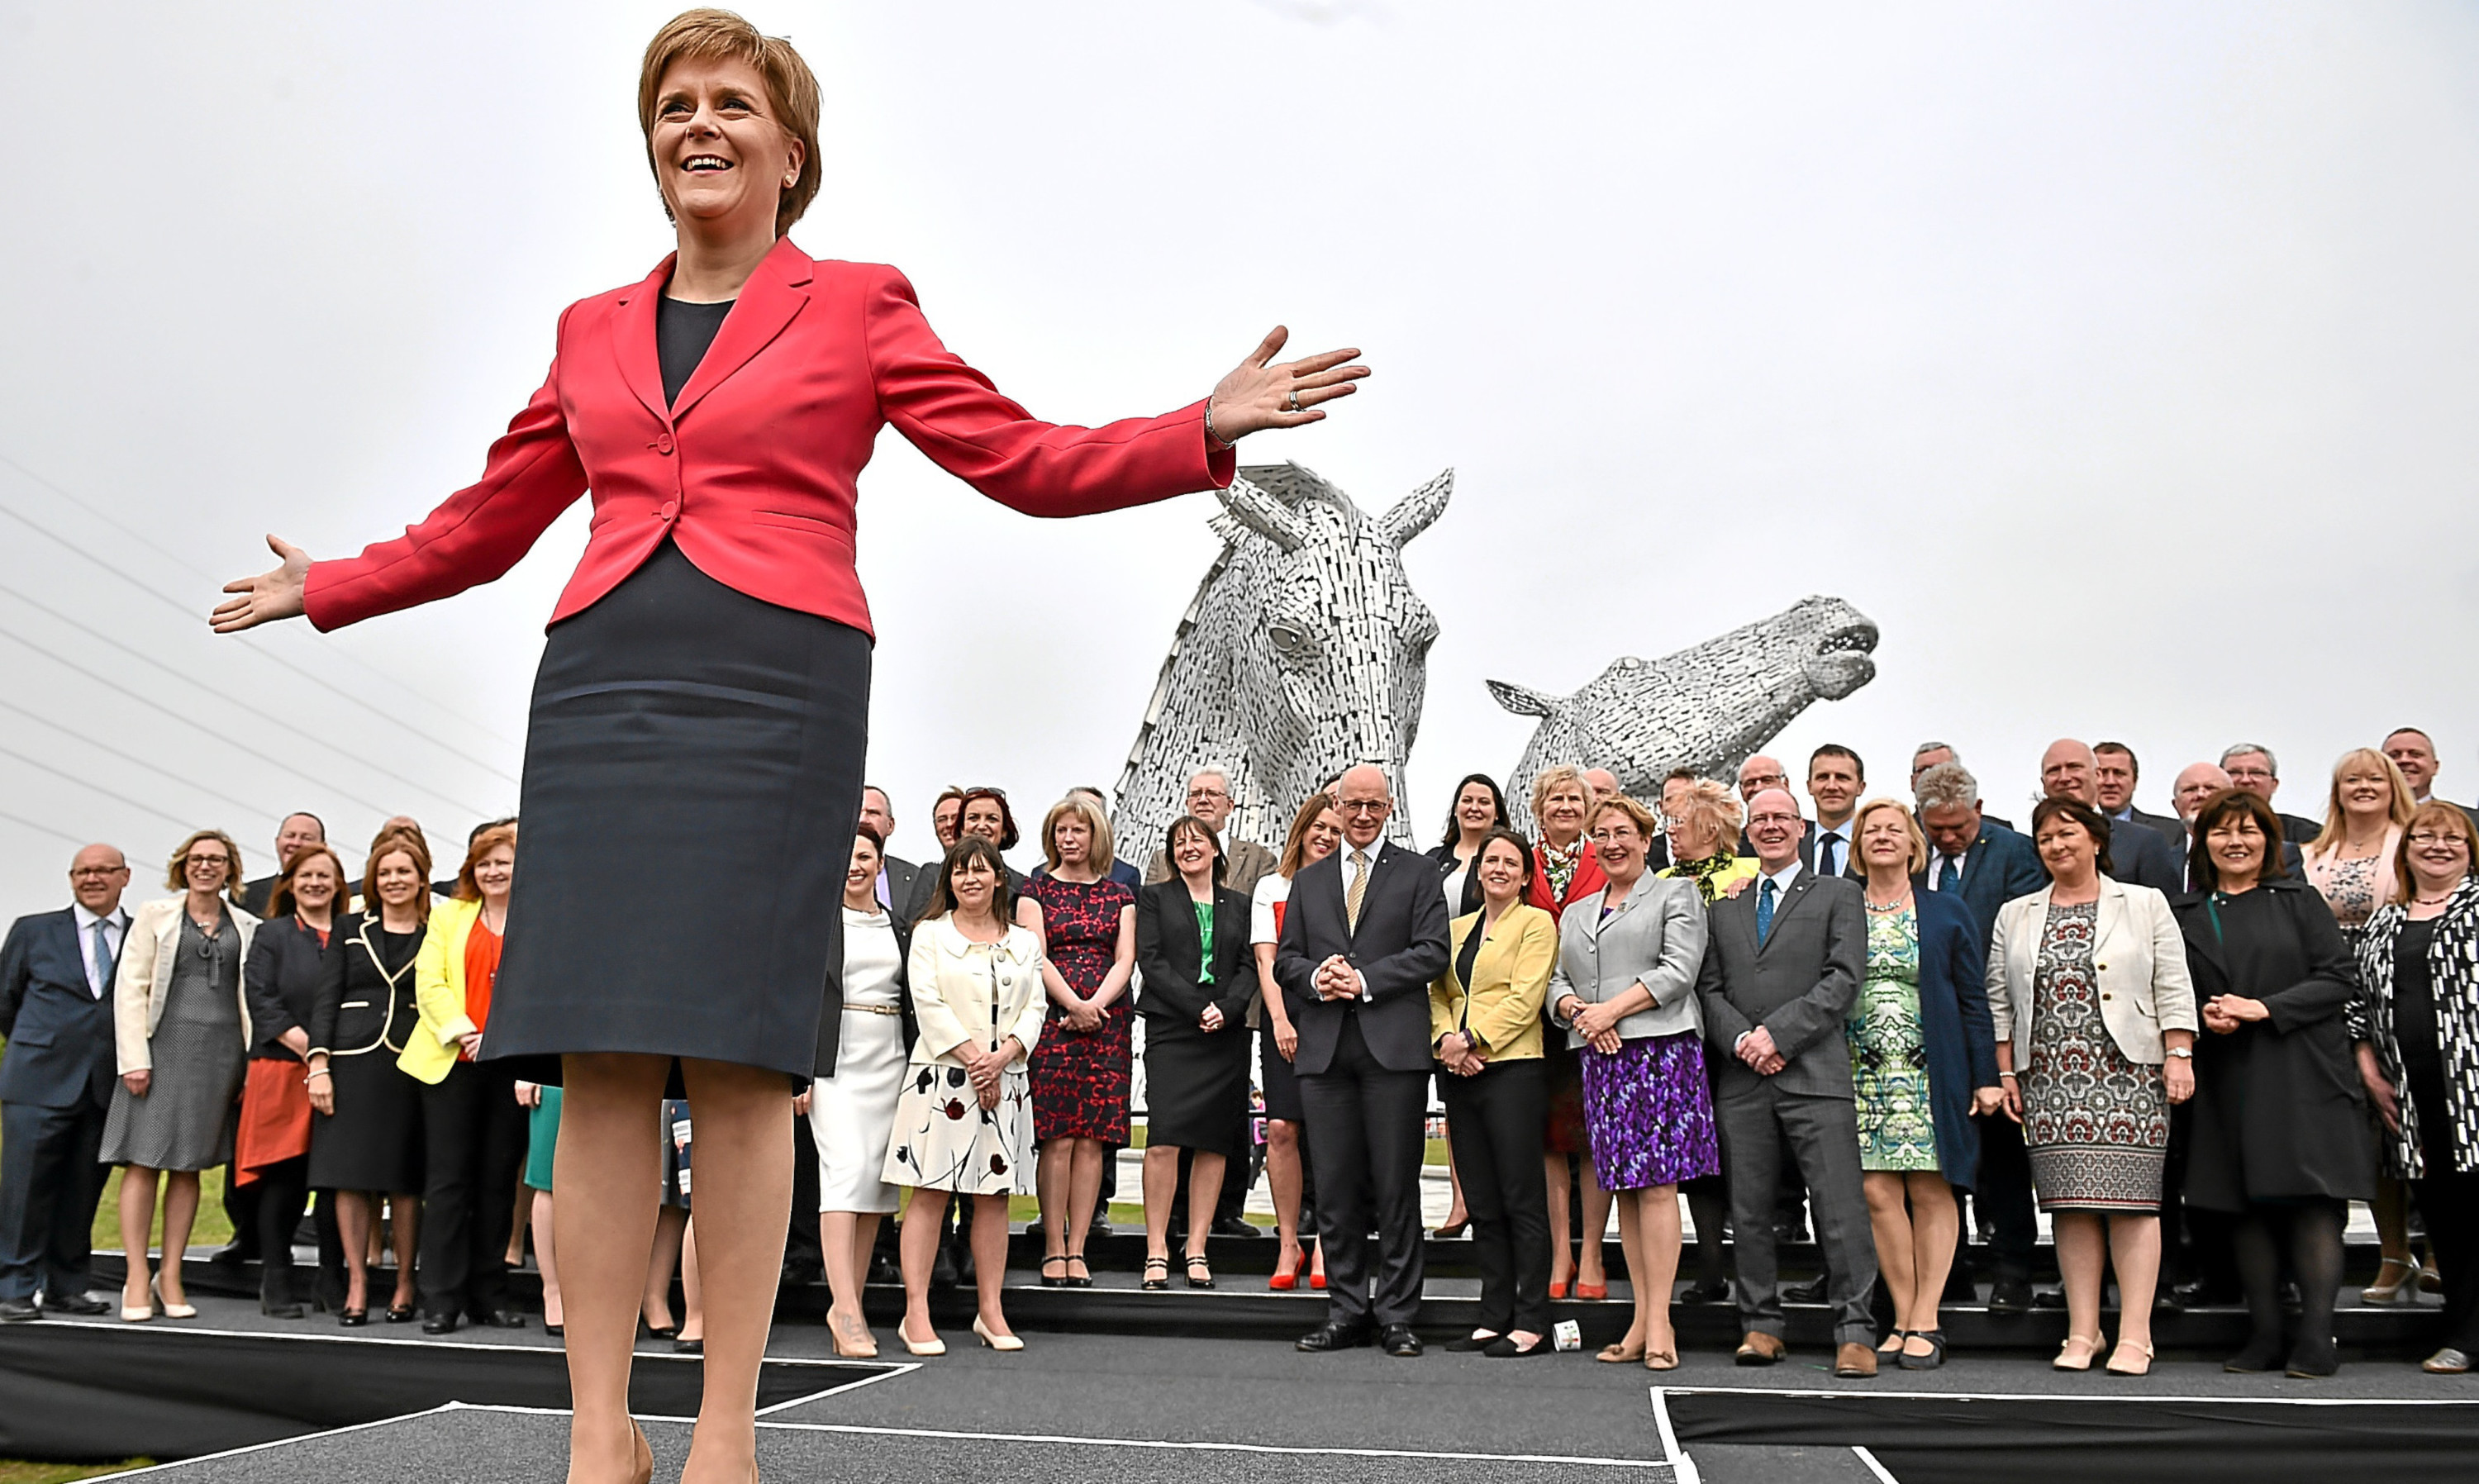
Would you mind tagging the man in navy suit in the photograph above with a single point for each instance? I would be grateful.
(1987, 865)
(54, 1087)
(1364, 935)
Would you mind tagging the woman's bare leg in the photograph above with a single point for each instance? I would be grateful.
(989, 1258)
(662, 1263)
(2080, 1259)
(1936, 1221)
(1456, 1213)
(1161, 1188)
(1889, 1221)
(2134, 1247)
(1283, 1176)
(917, 1241)
(1204, 1173)
(1562, 1254)
(137, 1234)
(1657, 1220)
(1631, 1246)
(743, 1195)
(692, 1291)
(1084, 1191)
(352, 1234)
(1052, 1177)
(1589, 1268)
(611, 1182)
(180, 1215)
(545, 1259)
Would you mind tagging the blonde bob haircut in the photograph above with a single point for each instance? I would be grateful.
(177, 876)
(1547, 782)
(1918, 860)
(791, 91)
(2403, 802)
(1646, 823)
(1098, 856)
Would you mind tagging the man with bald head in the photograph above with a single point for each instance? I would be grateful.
(56, 1081)
(2070, 769)
(1758, 773)
(2198, 782)
(1362, 937)
(293, 833)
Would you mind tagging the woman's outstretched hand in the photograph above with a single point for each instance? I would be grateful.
(1262, 393)
(268, 597)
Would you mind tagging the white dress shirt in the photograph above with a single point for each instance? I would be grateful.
(1841, 834)
(1936, 869)
(98, 976)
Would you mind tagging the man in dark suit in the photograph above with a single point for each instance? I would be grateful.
(896, 876)
(56, 1083)
(2413, 751)
(1779, 977)
(2251, 766)
(2139, 857)
(1364, 935)
(2114, 776)
(295, 831)
(1756, 775)
(1987, 865)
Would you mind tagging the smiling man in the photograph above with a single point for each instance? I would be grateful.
(1835, 778)
(2070, 770)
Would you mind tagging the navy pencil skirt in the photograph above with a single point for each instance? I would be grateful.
(693, 773)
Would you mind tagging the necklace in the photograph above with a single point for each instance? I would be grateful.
(2434, 900)
(1891, 907)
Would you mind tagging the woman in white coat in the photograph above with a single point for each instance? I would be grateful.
(181, 1028)
(964, 1122)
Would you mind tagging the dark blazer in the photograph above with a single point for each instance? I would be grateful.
(357, 1011)
(831, 1024)
(1800, 985)
(2278, 1109)
(902, 875)
(281, 979)
(2169, 827)
(1954, 1025)
(1177, 985)
(60, 1035)
(2000, 866)
(2299, 832)
(2140, 856)
(1469, 901)
(1399, 948)
(256, 895)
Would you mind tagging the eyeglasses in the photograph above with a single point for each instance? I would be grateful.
(1772, 819)
(1209, 793)
(82, 871)
(1363, 806)
(2427, 837)
(1765, 780)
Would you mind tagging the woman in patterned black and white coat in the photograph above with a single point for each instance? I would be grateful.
(2416, 1027)
(964, 1122)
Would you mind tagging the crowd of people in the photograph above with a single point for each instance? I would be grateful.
(2190, 1039)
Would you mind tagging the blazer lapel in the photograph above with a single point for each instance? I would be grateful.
(767, 302)
(1789, 903)
(632, 340)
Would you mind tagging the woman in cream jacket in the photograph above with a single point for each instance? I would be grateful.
(964, 1122)
(2095, 1020)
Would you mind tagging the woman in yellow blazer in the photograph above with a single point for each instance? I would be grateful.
(472, 1126)
(1485, 1022)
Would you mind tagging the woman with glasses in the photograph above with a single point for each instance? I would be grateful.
(1565, 871)
(181, 1025)
(2416, 1027)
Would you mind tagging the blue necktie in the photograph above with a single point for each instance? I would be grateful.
(1949, 876)
(1764, 911)
(102, 957)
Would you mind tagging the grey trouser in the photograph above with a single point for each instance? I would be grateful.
(1823, 1134)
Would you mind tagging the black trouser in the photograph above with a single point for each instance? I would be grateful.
(49, 1184)
(2003, 1198)
(277, 1198)
(1496, 1120)
(1367, 1122)
(802, 1247)
(474, 1144)
(2451, 1203)
(240, 1211)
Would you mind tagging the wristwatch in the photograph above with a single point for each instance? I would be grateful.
(2186, 1052)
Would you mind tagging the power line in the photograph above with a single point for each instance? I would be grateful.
(314, 678)
(153, 664)
(183, 563)
(36, 762)
(83, 740)
(21, 820)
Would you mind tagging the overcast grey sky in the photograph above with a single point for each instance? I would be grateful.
(2118, 360)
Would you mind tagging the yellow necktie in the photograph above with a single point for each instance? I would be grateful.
(1359, 887)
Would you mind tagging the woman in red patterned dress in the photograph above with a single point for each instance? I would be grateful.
(1080, 1067)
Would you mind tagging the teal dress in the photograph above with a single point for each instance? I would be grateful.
(1889, 1063)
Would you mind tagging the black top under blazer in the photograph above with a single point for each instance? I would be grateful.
(1399, 949)
(1800, 985)
(60, 1052)
(830, 1021)
(281, 979)
(1176, 986)
(358, 1011)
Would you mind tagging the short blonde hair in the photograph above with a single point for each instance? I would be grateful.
(1549, 778)
(1098, 856)
(791, 91)
(1636, 813)
(1918, 860)
(1706, 800)
(177, 876)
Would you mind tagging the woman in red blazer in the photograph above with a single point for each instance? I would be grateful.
(1565, 871)
(702, 711)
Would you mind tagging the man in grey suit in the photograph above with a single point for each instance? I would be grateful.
(1362, 937)
(1781, 973)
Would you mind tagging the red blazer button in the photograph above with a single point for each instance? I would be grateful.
(663, 444)
(671, 510)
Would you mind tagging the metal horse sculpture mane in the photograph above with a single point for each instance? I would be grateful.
(1305, 651)
(1709, 707)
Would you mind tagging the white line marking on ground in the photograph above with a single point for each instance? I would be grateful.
(1885, 1475)
(1681, 1466)
(902, 1368)
(260, 1447)
(2115, 1399)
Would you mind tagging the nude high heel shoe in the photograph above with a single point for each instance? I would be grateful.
(933, 1346)
(1001, 1342)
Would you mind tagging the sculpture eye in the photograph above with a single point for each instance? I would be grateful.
(1288, 639)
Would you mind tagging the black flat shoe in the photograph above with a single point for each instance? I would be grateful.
(399, 1315)
(502, 1319)
(1153, 1264)
(2256, 1359)
(1049, 1282)
(554, 1330)
(77, 1303)
(1077, 1280)
(688, 1348)
(439, 1324)
(1330, 1336)
(1464, 1344)
(280, 1308)
(1930, 1360)
(353, 1319)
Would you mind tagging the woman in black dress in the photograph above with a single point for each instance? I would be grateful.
(705, 685)
(368, 1135)
(281, 977)
(2280, 1137)
(1192, 949)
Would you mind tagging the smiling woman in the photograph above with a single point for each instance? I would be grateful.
(707, 680)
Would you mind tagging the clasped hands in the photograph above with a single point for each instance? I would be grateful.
(1336, 979)
(985, 1069)
(1597, 1024)
(1455, 1051)
(2224, 1013)
(1757, 1050)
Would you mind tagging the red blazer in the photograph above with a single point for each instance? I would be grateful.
(753, 474)
(1588, 878)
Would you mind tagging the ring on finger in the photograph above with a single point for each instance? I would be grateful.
(1292, 404)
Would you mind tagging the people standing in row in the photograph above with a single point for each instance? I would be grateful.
(1485, 1026)
(2282, 1139)
(474, 1129)
(851, 1107)
(964, 1120)
(1924, 1062)
(182, 1026)
(1364, 937)
(1192, 947)
(1565, 871)
(271, 1148)
(368, 1135)
(1317, 829)
(2094, 1015)
(1086, 924)
(2416, 1028)
(1624, 996)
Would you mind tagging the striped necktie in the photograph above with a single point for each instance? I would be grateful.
(1358, 891)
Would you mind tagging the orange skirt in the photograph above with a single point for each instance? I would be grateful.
(274, 1119)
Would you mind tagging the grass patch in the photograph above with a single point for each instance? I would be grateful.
(17, 1470)
(212, 1230)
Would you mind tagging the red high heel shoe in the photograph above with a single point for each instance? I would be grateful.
(1557, 1287)
(1591, 1290)
(1286, 1279)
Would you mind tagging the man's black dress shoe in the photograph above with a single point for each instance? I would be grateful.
(1717, 1291)
(1335, 1336)
(1810, 1293)
(2049, 1299)
(77, 1303)
(502, 1319)
(438, 1323)
(18, 1310)
(1233, 1226)
(2011, 1295)
(2164, 1300)
(1399, 1342)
